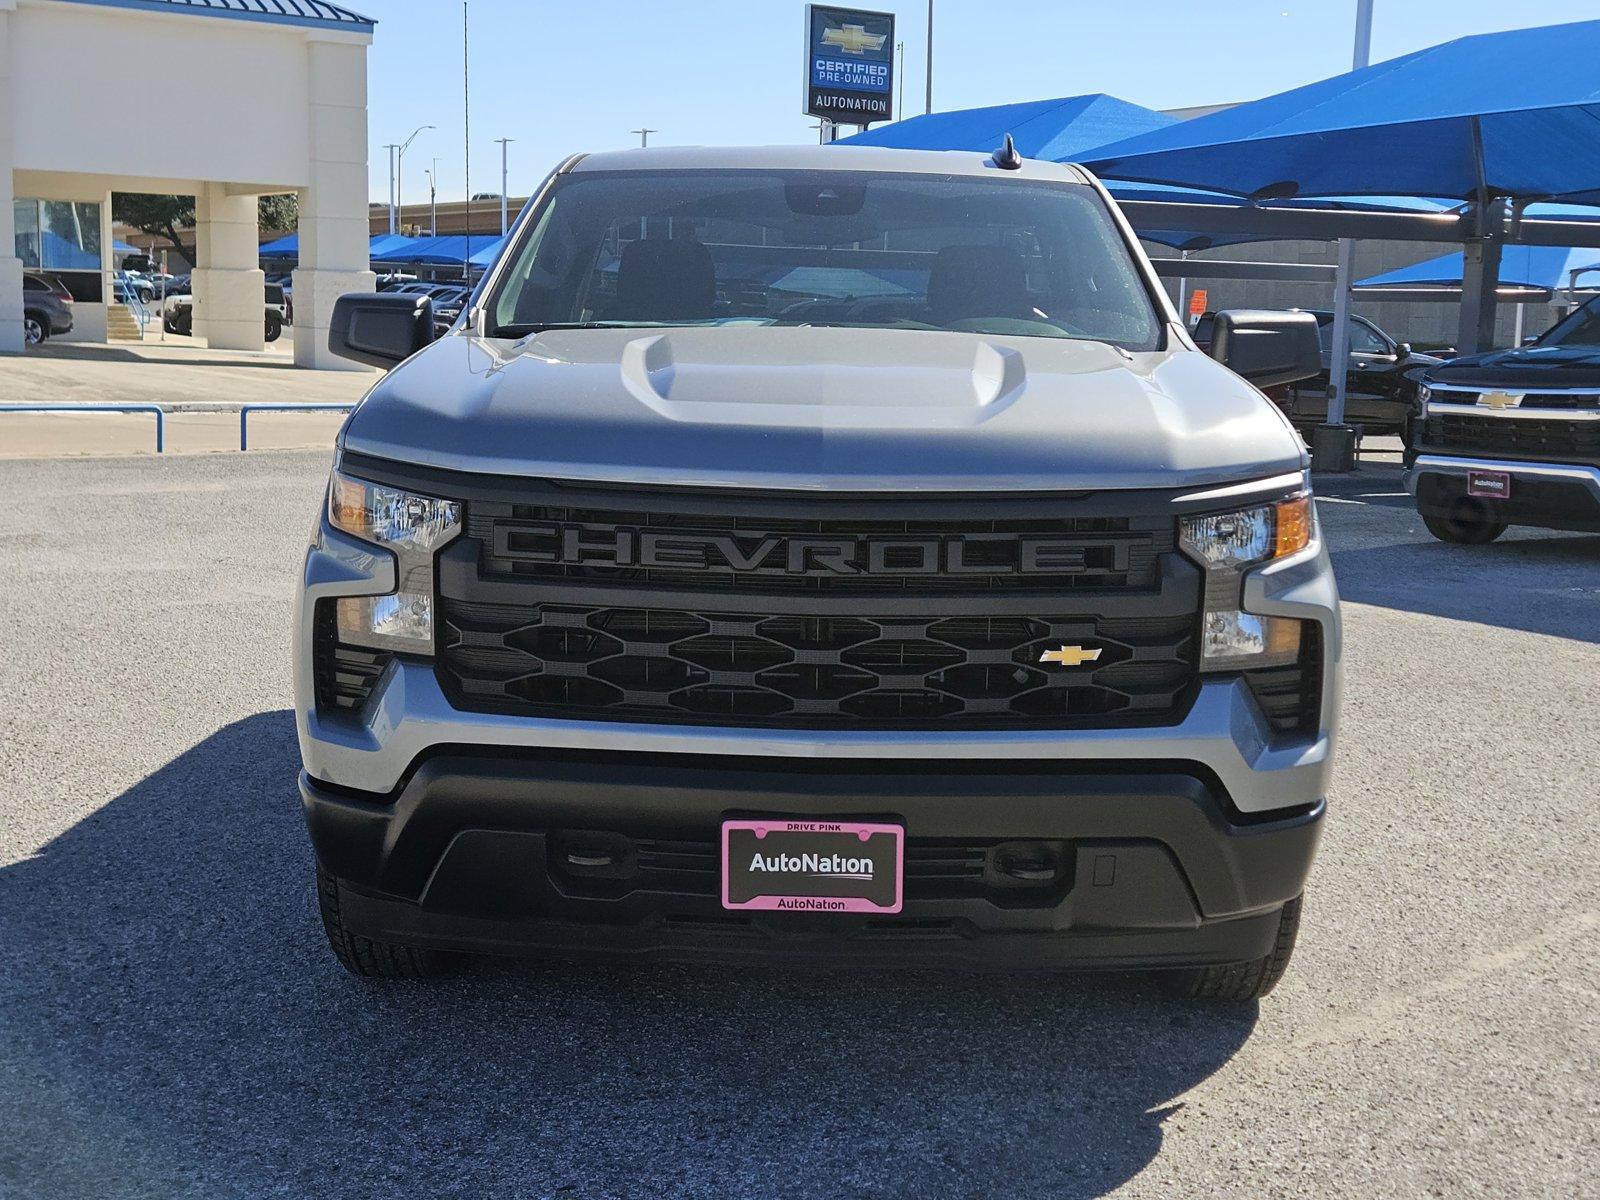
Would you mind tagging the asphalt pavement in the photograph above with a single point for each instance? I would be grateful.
(172, 1024)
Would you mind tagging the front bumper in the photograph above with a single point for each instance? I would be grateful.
(1543, 495)
(492, 852)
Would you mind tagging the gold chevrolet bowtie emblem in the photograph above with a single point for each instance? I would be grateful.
(1070, 656)
(853, 39)
(1500, 399)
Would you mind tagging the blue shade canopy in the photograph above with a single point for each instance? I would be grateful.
(454, 249)
(1547, 267)
(486, 256)
(284, 247)
(1529, 98)
(1057, 130)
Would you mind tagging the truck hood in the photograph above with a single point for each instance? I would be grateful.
(837, 409)
(1525, 366)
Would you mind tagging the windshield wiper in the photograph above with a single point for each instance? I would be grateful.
(523, 329)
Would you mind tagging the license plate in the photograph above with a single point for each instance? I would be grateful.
(812, 866)
(1493, 485)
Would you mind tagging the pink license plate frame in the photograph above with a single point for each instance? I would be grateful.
(1489, 485)
(798, 884)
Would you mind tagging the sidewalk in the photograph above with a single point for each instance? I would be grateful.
(200, 389)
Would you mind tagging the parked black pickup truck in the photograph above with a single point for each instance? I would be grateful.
(1512, 437)
(1381, 380)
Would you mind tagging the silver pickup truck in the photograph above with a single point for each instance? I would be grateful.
(831, 554)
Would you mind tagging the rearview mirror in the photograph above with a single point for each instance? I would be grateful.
(1267, 347)
(381, 329)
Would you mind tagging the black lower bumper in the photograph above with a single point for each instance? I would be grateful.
(1008, 864)
(1535, 501)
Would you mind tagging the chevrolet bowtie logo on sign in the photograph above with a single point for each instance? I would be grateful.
(1070, 656)
(853, 39)
(849, 64)
(1500, 399)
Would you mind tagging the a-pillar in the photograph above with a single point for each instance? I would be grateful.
(10, 264)
(334, 239)
(230, 297)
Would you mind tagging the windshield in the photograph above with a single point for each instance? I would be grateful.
(887, 251)
(1581, 327)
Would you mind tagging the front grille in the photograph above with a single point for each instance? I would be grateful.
(344, 676)
(704, 666)
(1533, 438)
(763, 551)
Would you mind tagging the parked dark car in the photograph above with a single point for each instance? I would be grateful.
(1381, 381)
(46, 307)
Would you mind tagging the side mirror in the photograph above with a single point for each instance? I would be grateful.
(1403, 349)
(1530, 339)
(1267, 347)
(381, 329)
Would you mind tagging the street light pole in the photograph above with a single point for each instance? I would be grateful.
(1339, 350)
(929, 107)
(503, 143)
(433, 198)
(900, 109)
(399, 161)
(389, 146)
(644, 136)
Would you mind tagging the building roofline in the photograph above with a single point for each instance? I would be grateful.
(306, 14)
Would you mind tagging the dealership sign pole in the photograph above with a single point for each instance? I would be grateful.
(849, 72)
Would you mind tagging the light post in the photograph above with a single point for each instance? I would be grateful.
(504, 142)
(433, 198)
(389, 146)
(399, 160)
(644, 137)
(929, 107)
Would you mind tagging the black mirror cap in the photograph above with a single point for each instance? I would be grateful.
(1267, 347)
(1404, 350)
(380, 329)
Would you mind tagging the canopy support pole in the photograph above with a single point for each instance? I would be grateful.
(1480, 281)
(1339, 360)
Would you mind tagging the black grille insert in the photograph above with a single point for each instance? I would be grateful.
(1534, 438)
(708, 667)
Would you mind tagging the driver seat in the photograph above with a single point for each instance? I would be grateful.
(978, 281)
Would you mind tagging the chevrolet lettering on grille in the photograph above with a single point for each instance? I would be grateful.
(781, 554)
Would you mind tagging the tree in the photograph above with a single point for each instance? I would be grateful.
(279, 212)
(159, 216)
(165, 216)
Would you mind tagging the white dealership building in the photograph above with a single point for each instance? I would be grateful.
(254, 97)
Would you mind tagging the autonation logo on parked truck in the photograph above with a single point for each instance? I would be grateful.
(849, 64)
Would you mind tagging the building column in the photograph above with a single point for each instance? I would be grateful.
(334, 242)
(10, 264)
(230, 298)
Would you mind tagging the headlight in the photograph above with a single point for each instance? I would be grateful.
(1227, 545)
(413, 527)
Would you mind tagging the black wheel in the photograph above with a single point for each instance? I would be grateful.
(1468, 522)
(34, 329)
(183, 322)
(1246, 980)
(369, 959)
(274, 326)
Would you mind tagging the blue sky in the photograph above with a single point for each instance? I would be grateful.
(565, 75)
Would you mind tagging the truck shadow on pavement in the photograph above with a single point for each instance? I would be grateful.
(171, 1023)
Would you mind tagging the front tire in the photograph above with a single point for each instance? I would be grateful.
(1247, 980)
(1467, 522)
(34, 330)
(368, 958)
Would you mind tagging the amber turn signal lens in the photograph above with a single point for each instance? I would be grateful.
(1293, 525)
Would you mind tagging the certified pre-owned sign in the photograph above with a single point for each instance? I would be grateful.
(849, 64)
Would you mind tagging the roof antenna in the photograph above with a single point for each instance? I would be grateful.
(1007, 158)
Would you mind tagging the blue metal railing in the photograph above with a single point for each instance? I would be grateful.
(246, 410)
(161, 420)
